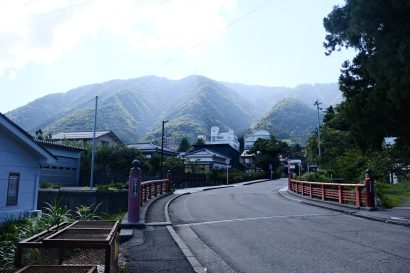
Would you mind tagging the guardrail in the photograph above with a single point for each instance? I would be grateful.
(154, 188)
(361, 195)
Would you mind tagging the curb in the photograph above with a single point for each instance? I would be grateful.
(255, 182)
(193, 261)
(215, 188)
(353, 211)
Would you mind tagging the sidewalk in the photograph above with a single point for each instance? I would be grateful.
(153, 249)
(398, 216)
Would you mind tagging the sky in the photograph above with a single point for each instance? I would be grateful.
(52, 46)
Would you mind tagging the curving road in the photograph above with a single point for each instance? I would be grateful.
(254, 229)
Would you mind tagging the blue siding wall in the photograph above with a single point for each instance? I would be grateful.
(15, 158)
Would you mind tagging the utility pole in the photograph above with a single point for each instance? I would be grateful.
(162, 148)
(93, 148)
(317, 104)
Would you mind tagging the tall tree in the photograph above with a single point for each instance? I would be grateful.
(376, 83)
(184, 145)
(267, 152)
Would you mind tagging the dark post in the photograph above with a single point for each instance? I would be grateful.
(134, 192)
(369, 190)
(162, 148)
(169, 182)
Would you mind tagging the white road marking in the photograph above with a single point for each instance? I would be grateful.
(256, 218)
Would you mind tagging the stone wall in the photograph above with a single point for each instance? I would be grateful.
(112, 201)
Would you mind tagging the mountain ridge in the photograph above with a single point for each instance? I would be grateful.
(134, 108)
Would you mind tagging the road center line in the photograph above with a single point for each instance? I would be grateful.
(255, 219)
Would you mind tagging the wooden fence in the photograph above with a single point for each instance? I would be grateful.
(360, 195)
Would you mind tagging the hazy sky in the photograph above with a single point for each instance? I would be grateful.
(49, 46)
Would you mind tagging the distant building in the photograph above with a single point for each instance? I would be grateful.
(223, 149)
(171, 143)
(250, 140)
(20, 160)
(101, 137)
(224, 138)
(66, 170)
(204, 160)
(248, 160)
(149, 150)
(203, 137)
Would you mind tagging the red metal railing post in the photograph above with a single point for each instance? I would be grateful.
(357, 196)
(169, 182)
(310, 190)
(369, 190)
(155, 188)
(322, 189)
(340, 194)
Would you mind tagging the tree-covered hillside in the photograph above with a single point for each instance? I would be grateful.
(289, 119)
(134, 109)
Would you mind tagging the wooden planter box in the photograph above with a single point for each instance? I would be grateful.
(79, 243)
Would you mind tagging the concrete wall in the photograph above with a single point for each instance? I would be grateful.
(14, 158)
(111, 201)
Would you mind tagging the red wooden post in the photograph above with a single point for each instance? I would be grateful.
(357, 195)
(340, 195)
(369, 190)
(303, 186)
(310, 188)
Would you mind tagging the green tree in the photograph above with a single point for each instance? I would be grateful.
(376, 83)
(184, 145)
(267, 152)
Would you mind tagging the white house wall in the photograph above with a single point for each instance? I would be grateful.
(15, 159)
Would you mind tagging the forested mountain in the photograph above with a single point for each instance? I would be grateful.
(135, 108)
(289, 119)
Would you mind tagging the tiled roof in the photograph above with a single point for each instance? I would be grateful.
(59, 144)
(149, 146)
(205, 152)
(79, 135)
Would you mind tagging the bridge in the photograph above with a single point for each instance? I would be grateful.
(261, 227)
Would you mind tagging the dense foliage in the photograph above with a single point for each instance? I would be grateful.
(267, 153)
(376, 83)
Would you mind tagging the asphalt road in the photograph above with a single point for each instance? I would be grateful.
(254, 229)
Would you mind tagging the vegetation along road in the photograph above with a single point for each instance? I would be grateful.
(255, 229)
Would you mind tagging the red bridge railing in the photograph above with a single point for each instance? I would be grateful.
(154, 188)
(360, 195)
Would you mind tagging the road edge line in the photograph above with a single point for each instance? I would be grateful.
(193, 261)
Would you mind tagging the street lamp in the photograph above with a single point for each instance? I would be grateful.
(162, 147)
(317, 103)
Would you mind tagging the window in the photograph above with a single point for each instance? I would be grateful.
(13, 189)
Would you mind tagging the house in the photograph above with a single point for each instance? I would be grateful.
(66, 170)
(250, 140)
(101, 137)
(20, 160)
(204, 160)
(248, 160)
(223, 149)
(149, 150)
(224, 138)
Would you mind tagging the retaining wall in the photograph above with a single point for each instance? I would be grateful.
(111, 201)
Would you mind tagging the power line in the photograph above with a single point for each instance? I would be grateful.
(52, 12)
(212, 35)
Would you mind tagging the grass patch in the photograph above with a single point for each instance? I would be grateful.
(397, 195)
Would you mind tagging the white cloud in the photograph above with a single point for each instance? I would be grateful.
(42, 31)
